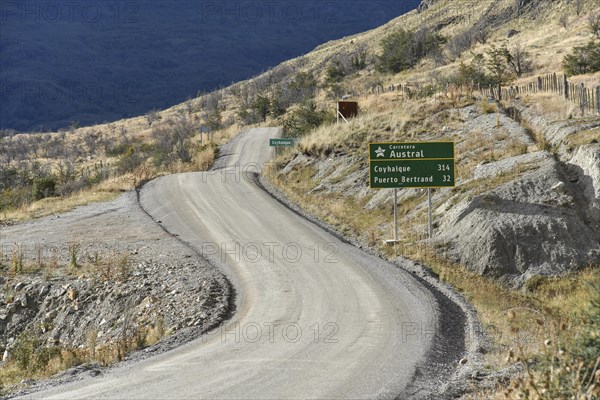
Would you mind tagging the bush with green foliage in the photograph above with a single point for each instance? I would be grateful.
(404, 49)
(335, 73)
(497, 62)
(43, 186)
(262, 106)
(303, 87)
(359, 60)
(470, 74)
(277, 107)
(583, 59)
(131, 159)
(305, 118)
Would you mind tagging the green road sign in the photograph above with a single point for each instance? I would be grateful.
(282, 142)
(419, 164)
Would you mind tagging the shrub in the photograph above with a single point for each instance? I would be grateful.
(303, 87)
(594, 23)
(335, 73)
(170, 144)
(359, 60)
(583, 59)
(277, 106)
(471, 74)
(43, 186)
(497, 63)
(130, 160)
(403, 50)
(214, 119)
(23, 350)
(261, 105)
(304, 119)
(153, 116)
(518, 59)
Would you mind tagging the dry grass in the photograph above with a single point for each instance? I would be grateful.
(584, 137)
(40, 364)
(553, 106)
(105, 191)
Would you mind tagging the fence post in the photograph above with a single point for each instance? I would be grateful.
(598, 99)
(566, 85)
(582, 99)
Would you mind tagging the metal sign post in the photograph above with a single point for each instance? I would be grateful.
(430, 216)
(205, 129)
(395, 214)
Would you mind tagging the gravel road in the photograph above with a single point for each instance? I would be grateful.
(315, 316)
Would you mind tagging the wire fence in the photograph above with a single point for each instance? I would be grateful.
(587, 99)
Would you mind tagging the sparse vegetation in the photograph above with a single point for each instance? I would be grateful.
(594, 24)
(305, 118)
(583, 59)
(404, 49)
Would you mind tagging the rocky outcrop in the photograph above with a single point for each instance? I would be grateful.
(529, 226)
(133, 278)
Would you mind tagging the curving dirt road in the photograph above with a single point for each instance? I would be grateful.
(315, 317)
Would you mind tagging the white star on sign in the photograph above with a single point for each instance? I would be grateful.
(380, 152)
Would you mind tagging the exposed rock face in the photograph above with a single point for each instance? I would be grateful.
(585, 165)
(544, 222)
(529, 226)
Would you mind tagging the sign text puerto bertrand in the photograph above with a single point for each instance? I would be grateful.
(418, 164)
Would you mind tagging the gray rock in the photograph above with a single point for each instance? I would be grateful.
(511, 33)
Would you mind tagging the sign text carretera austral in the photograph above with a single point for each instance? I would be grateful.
(417, 165)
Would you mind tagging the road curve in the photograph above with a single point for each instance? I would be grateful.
(332, 323)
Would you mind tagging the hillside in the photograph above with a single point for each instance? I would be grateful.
(519, 235)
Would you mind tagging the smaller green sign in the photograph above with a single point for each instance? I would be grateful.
(281, 142)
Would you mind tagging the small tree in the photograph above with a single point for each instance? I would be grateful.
(398, 52)
(276, 106)
(564, 20)
(359, 59)
(43, 186)
(594, 23)
(335, 72)
(496, 62)
(303, 86)
(152, 116)
(305, 118)
(261, 105)
(518, 58)
(472, 74)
